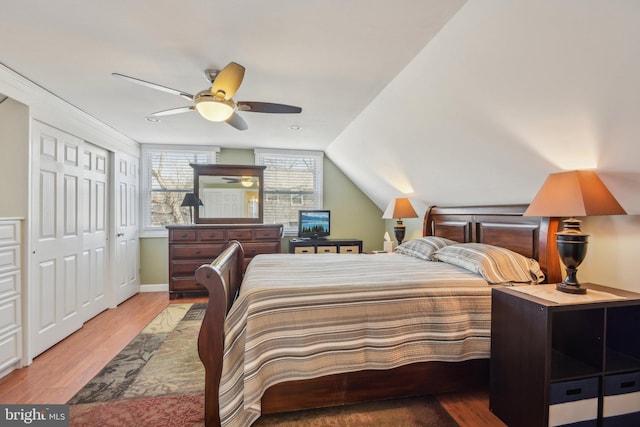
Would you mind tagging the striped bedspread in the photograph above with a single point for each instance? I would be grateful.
(304, 316)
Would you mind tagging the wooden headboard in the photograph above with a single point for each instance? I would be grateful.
(505, 226)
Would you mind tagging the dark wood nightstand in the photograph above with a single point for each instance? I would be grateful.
(565, 360)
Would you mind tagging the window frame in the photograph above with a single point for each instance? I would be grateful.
(318, 187)
(147, 230)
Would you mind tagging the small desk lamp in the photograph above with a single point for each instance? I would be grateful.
(399, 208)
(191, 200)
(572, 194)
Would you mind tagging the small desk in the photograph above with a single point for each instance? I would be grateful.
(325, 246)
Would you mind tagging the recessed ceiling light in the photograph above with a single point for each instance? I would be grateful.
(295, 127)
(152, 119)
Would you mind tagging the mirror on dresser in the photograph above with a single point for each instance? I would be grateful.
(230, 194)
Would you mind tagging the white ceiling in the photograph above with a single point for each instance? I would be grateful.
(330, 57)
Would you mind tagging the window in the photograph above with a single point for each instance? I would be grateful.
(166, 177)
(292, 181)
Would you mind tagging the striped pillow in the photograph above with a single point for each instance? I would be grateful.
(496, 265)
(423, 247)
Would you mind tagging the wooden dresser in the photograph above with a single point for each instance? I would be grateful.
(190, 246)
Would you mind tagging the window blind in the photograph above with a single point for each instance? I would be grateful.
(167, 177)
(292, 181)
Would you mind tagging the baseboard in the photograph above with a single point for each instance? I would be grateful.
(155, 288)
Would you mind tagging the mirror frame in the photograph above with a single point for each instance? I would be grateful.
(229, 170)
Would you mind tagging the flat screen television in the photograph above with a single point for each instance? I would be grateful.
(313, 224)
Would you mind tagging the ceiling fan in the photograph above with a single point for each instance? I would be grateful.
(246, 181)
(216, 103)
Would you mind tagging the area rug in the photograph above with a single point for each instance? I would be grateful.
(158, 380)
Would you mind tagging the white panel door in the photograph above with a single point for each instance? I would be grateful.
(95, 215)
(56, 238)
(126, 266)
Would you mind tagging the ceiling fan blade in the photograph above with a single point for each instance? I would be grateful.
(267, 107)
(173, 111)
(154, 86)
(237, 122)
(228, 80)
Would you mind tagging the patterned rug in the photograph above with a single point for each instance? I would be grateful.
(158, 380)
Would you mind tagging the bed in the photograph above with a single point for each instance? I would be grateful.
(275, 346)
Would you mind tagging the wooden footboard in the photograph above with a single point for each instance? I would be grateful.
(222, 278)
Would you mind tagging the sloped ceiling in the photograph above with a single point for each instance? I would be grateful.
(448, 101)
(506, 93)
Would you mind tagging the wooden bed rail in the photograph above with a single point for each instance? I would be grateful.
(222, 278)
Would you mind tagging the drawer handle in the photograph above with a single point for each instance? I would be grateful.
(253, 250)
(198, 252)
(184, 235)
(239, 234)
(574, 391)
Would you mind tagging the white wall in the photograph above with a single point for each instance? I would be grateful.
(505, 94)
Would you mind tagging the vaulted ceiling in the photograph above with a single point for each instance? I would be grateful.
(445, 100)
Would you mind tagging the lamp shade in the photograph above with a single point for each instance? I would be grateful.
(190, 199)
(574, 193)
(400, 208)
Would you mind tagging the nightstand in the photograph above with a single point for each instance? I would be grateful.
(558, 359)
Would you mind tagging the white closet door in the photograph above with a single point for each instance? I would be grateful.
(56, 238)
(126, 265)
(95, 215)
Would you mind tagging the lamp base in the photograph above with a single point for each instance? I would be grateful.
(572, 248)
(571, 289)
(399, 231)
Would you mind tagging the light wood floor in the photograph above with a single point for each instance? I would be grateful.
(59, 373)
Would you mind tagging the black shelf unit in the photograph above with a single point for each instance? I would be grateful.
(319, 246)
(539, 346)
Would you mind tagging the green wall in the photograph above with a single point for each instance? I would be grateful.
(353, 215)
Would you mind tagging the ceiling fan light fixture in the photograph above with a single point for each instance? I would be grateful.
(214, 108)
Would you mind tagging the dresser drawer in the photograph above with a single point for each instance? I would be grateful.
(182, 235)
(354, 249)
(212, 235)
(9, 314)
(253, 249)
(241, 234)
(327, 249)
(271, 233)
(9, 283)
(187, 283)
(10, 349)
(9, 258)
(208, 252)
(187, 267)
(304, 250)
(9, 233)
